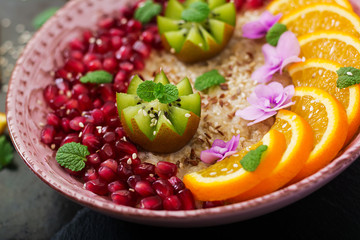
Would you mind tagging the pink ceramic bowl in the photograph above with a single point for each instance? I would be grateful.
(26, 109)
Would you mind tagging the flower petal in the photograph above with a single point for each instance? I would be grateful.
(268, 19)
(233, 143)
(218, 143)
(228, 154)
(250, 113)
(262, 118)
(254, 30)
(288, 46)
(269, 53)
(208, 156)
(288, 61)
(264, 73)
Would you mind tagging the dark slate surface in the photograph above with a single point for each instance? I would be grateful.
(29, 209)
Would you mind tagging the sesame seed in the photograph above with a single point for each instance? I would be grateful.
(134, 155)
(81, 124)
(154, 133)
(349, 73)
(129, 161)
(235, 165)
(92, 40)
(212, 173)
(131, 190)
(224, 169)
(53, 146)
(187, 115)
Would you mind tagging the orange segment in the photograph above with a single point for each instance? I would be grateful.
(227, 178)
(322, 16)
(285, 6)
(300, 142)
(328, 120)
(332, 45)
(321, 73)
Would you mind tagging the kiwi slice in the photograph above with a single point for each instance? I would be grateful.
(193, 41)
(159, 127)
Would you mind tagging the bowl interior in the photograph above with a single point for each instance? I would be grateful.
(26, 112)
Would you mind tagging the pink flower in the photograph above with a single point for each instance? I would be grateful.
(259, 28)
(265, 101)
(276, 58)
(220, 150)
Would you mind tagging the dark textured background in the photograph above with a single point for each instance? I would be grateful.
(29, 209)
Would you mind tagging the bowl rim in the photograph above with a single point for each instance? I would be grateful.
(275, 200)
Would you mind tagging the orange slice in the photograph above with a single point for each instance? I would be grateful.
(227, 178)
(328, 120)
(2, 122)
(321, 73)
(300, 142)
(332, 45)
(285, 6)
(322, 16)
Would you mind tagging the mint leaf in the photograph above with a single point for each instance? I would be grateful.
(347, 76)
(252, 159)
(208, 79)
(147, 11)
(273, 35)
(170, 94)
(159, 90)
(72, 156)
(98, 77)
(146, 90)
(42, 17)
(6, 152)
(197, 12)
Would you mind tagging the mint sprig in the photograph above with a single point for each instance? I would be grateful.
(273, 35)
(72, 156)
(252, 159)
(98, 77)
(6, 152)
(347, 76)
(149, 91)
(147, 11)
(208, 79)
(197, 12)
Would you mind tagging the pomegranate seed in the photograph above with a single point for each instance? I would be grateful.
(125, 147)
(85, 102)
(124, 53)
(254, 3)
(59, 136)
(97, 103)
(97, 186)
(107, 94)
(110, 64)
(165, 169)
(77, 55)
(176, 183)
(144, 169)
(72, 104)
(172, 203)
(94, 65)
(186, 199)
(90, 174)
(47, 134)
(109, 137)
(120, 132)
(94, 159)
(77, 123)
(79, 89)
(163, 188)
(50, 92)
(132, 180)
(77, 44)
(89, 57)
(147, 36)
(102, 44)
(58, 102)
(53, 120)
(126, 66)
(110, 163)
(106, 23)
(138, 62)
(107, 173)
(239, 4)
(152, 203)
(117, 32)
(107, 151)
(62, 84)
(65, 124)
(89, 128)
(97, 116)
(87, 34)
(126, 12)
(74, 66)
(211, 204)
(71, 172)
(124, 171)
(141, 48)
(120, 77)
(72, 113)
(113, 121)
(116, 42)
(124, 197)
(116, 186)
(109, 109)
(91, 141)
(62, 73)
(133, 25)
(72, 137)
(144, 188)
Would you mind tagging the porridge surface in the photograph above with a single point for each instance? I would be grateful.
(219, 104)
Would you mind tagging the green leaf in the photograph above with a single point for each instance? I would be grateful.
(98, 77)
(72, 156)
(253, 158)
(347, 76)
(273, 35)
(171, 93)
(208, 79)
(159, 90)
(146, 90)
(147, 11)
(6, 152)
(42, 17)
(197, 12)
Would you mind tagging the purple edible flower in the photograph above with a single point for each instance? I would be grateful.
(220, 150)
(265, 101)
(259, 28)
(276, 58)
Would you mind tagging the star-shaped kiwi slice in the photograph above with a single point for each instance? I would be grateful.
(197, 30)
